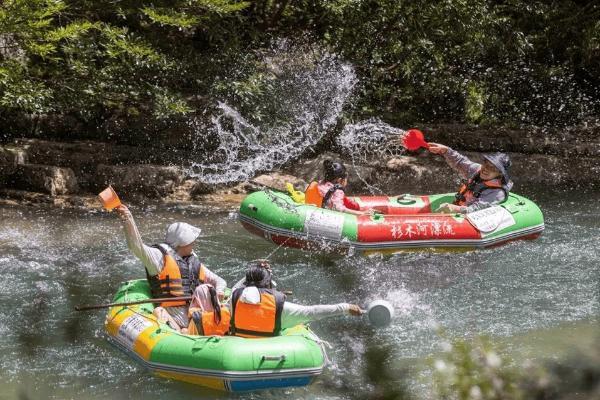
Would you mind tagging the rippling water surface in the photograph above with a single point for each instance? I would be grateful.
(52, 260)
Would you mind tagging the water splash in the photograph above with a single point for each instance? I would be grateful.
(307, 92)
(365, 139)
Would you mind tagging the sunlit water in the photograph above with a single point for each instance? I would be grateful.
(52, 260)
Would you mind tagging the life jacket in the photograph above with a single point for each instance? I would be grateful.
(257, 320)
(206, 323)
(312, 195)
(178, 277)
(473, 188)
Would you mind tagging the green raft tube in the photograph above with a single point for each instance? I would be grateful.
(226, 363)
(405, 222)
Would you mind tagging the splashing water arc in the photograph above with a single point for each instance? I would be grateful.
(310, 97)
(373, 136)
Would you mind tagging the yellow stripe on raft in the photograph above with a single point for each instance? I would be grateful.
(146, 339)
(213, 383)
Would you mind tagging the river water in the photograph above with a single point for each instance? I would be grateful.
(52, 260)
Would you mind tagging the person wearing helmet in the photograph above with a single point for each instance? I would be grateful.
(484, 184)
(329, 192)
(258, 309)
(173, 269)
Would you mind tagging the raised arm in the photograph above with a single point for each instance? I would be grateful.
(461, 164)
(151, 258)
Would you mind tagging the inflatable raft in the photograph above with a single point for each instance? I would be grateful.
(219, 362)
(407, 222)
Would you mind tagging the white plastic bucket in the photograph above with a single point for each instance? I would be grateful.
(380, 313)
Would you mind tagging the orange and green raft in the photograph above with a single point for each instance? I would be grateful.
(230, 363)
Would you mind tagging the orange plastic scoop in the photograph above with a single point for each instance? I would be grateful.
(414, 140)
(109, 198)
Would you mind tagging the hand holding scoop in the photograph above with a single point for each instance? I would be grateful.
(379, 312)
(109, 198)
(414, 140)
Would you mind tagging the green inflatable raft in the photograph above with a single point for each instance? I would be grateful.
(405, 222)
(227, 363)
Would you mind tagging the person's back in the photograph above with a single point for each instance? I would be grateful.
(256, 308)
(259, 310)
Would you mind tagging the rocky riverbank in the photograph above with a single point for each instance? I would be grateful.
(69, 174)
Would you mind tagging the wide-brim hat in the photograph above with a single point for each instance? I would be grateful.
(502, 163)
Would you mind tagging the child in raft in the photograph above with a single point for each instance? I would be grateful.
(485, 184)
(173, 269)
(329, 192)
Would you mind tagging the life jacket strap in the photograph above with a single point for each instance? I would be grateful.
(330, 193)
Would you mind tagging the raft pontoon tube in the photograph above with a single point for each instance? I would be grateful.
(227, 363)
(407, 222)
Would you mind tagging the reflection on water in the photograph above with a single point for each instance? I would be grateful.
(52, 260)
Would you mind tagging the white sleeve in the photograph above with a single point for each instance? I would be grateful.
(151, 258)
(294, 314)
(215, 280)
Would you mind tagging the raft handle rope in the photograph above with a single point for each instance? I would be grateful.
(280, 358)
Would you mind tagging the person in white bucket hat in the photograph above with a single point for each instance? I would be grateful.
(173, 270)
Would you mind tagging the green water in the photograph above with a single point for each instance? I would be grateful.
(540, 298)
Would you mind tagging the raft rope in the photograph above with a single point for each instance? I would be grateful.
(278, 247)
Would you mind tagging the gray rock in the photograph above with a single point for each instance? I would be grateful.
(275, 180)
(153, 181)
(44, 179)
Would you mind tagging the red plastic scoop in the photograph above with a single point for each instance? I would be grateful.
(414, 140)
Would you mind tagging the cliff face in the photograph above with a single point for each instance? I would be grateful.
(71, 173)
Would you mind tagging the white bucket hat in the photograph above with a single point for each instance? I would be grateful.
(181, 234)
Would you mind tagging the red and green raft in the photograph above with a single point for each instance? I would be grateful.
(406, 222)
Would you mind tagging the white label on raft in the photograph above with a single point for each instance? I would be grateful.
(131, 328)
(491, 219)
(324, 224)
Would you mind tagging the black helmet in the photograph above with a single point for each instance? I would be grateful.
(502, 162)
(259, 274)
(333, 170)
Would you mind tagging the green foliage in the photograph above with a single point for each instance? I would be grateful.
(508, 62)
(473, 371)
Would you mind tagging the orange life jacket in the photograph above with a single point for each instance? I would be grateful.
(205, 322)
(472, 189)
(257, 320)
(312, 195)
(177, 278)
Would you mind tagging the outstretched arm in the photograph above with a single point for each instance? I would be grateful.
(294, 314)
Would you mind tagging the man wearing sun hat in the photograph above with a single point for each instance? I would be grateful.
(173, 269)
(484, 184)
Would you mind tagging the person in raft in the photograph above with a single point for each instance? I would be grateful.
(260, 310)
(485, 184)
(173, 270)
(329, 192)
